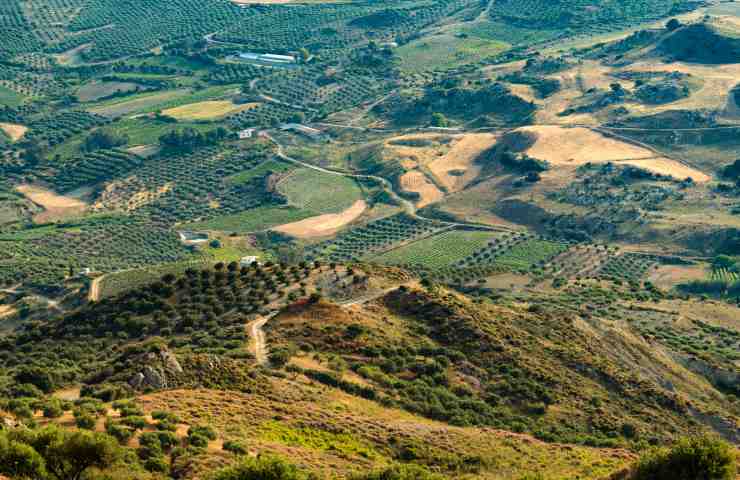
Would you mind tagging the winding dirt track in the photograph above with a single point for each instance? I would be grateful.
(94, 295)
(259, 346)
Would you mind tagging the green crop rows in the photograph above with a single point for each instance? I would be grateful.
(438, 251)
(629, 266)
(192, 186)
(377, 236)
(44, 255)
(724, 274)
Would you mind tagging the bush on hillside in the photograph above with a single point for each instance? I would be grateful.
(701, 458)
(261, 468)
(400, 472)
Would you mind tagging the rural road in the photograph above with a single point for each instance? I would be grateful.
(94, 295)
(259, 346)
(256, 327)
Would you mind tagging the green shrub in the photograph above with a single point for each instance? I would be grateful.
(135, 422)
(84, 419)
(235, 447)
(156, 464)
(121, 433)
(262, 468)
(198, 441)
(53, 409)
(202, 430)
(700, 458)
(400, 472)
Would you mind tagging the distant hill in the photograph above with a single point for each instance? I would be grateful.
(701, 43)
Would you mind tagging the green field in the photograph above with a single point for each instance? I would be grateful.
(438, 251)
(258, 171)
(93, 91)
(320, 192)
(152, 102)
(252, 220)
(140, 131)
(725, 274)
(9, 97)
(529, 253)
(446, 51)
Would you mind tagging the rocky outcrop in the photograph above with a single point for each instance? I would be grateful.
(158, 371)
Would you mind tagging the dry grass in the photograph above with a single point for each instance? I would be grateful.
(429, 147)
(579, 145)
(576, 146)
(716, 83)
(666, 166)
(457, 169)
(416, 182)
(14, 130)
(667, 276)
(55, 206)
(209, 110)
(323, 225)
(6, 311)
(310, 415)
(110, 198)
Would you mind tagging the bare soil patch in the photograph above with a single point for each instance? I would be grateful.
(55, 206)
(323, 225)
(14, 130)
(415, 181)
(667, 276)
(512, 281)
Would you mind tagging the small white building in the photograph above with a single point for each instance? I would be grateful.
(271, 57)
(248, 261)
(268, 58)
(246, 133)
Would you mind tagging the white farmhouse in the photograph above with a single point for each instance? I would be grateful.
(248, 261)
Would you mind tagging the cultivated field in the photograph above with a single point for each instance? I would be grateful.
(252, 220)
(319, 192)
(137, 104)
(94, 91)
(438, 251)
(208, 110)
(668, 276)
(578, 145)
(446, 51)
